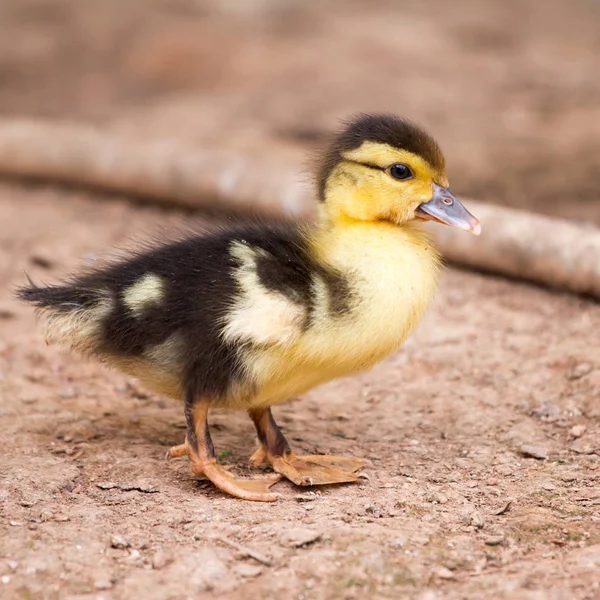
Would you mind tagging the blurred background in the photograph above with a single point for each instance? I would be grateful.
(494, 398)
(511, 88)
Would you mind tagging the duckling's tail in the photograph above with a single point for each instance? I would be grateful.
(63, 298)
(76, 313)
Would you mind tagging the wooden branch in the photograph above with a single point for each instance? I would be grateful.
(164, 171)
(552, 252)
(519, 244)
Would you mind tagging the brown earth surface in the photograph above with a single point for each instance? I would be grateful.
(482, 435)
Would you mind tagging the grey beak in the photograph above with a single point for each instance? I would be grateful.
(445, 208)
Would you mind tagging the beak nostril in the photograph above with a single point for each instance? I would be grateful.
(448, 201)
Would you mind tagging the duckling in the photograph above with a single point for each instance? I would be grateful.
(249, 316)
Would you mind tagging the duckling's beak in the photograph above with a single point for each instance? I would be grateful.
(445, 208)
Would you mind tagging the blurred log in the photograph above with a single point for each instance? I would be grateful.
(164, 171)
(515, 243)
(552, 252)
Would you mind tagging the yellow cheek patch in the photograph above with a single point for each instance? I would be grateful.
(259, 315)
(143, 293)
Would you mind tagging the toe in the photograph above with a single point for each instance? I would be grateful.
(177, 451)
(255, 489)
(258, 457)
(283, 467)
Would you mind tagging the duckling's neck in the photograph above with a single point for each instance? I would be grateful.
(391, 277)
(342, 237)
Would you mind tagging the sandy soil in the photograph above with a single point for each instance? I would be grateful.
(482, 435)
(494, 401)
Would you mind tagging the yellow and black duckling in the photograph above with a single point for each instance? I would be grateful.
(248, 317)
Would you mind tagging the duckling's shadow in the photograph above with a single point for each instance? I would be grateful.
(162, 424)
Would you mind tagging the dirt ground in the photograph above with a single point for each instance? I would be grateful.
(482, 435)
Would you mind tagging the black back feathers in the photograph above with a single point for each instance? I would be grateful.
(384, 129)
(194, 285)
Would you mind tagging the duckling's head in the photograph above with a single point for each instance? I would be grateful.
(383, 168)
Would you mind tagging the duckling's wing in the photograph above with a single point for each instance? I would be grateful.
(271, 306)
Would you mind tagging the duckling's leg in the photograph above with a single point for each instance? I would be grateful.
(198, 447)
(302, 470)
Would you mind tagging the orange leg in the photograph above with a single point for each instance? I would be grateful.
(198, 447)
(314, 469)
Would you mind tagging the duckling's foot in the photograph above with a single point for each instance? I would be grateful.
(198, 447)
(255, 488)
(302, 470)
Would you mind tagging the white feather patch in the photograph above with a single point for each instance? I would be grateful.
(259, 315)
(143, 293)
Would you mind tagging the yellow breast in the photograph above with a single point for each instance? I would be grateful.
(392, 272)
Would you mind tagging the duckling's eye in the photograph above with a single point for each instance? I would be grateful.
(400, 171)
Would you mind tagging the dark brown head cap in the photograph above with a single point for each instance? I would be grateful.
(385, 129)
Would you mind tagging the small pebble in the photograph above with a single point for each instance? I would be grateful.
(247, 571)
(579, 371)
(13, 565)
(445, 573)
(134, 555)
(299, 537)
(533, 451)
(46, 514)
(118, 541)
(550, 487)
(504, 508)
(494, 540)
(62, 518)
(546, 411)
(159, 560)
(102, 584)
(583, 446)
(577, 431)
(147, 487)
(5, 579)
(107, 485)
(477, 520)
